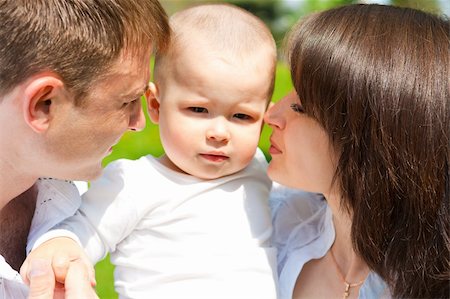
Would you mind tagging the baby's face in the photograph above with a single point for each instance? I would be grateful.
(211, 113)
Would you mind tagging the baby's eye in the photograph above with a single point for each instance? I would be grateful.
(198, 109)
(297, 108)
(242, 116)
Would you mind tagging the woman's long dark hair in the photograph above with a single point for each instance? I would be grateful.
(377, 79)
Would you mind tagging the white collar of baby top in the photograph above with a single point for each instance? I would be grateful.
(11, 284)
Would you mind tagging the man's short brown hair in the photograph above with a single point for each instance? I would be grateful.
(77, 39)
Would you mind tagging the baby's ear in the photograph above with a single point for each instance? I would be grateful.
(152, 102)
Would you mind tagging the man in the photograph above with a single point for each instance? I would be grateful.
(71, 77)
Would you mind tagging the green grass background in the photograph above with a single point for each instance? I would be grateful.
(136, 144)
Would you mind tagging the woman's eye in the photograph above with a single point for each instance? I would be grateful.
(242, 116)
(198, 109)
(297, 108)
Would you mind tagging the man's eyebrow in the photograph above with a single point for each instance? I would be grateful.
(138, 94)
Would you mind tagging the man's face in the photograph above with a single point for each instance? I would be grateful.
(79, 137)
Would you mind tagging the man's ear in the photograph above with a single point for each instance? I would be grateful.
(39, 98)
(153, 102)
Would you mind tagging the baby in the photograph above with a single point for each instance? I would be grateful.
(195, 222)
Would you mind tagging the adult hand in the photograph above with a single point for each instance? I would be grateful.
(43, 285)
(59, 268)
(78, 283)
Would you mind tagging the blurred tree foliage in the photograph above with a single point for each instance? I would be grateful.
(432, 6)
(280, 15)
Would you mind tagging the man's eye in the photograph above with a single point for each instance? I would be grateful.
(297, 108)
(198, 109)
(242, 116)
(126, 104)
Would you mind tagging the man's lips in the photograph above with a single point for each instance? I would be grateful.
(214, 157)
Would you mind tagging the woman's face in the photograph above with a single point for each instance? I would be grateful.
(302, 156)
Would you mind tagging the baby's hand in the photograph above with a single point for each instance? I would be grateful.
(63, 254)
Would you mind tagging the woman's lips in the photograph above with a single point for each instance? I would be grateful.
(273, 149)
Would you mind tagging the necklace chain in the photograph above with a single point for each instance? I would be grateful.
(348, 285)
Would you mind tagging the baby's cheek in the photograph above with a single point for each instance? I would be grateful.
(247, 155)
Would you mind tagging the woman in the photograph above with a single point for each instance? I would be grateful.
(367, 127)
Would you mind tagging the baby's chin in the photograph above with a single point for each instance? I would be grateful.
(207, 169)
(215, 174)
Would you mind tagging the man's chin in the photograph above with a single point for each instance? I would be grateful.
(94, 174)
(89, 174)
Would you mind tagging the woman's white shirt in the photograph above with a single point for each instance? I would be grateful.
(303, 230)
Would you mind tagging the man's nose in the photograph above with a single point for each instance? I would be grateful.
(137, 119)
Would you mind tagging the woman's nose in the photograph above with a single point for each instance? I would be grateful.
(274, 115)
